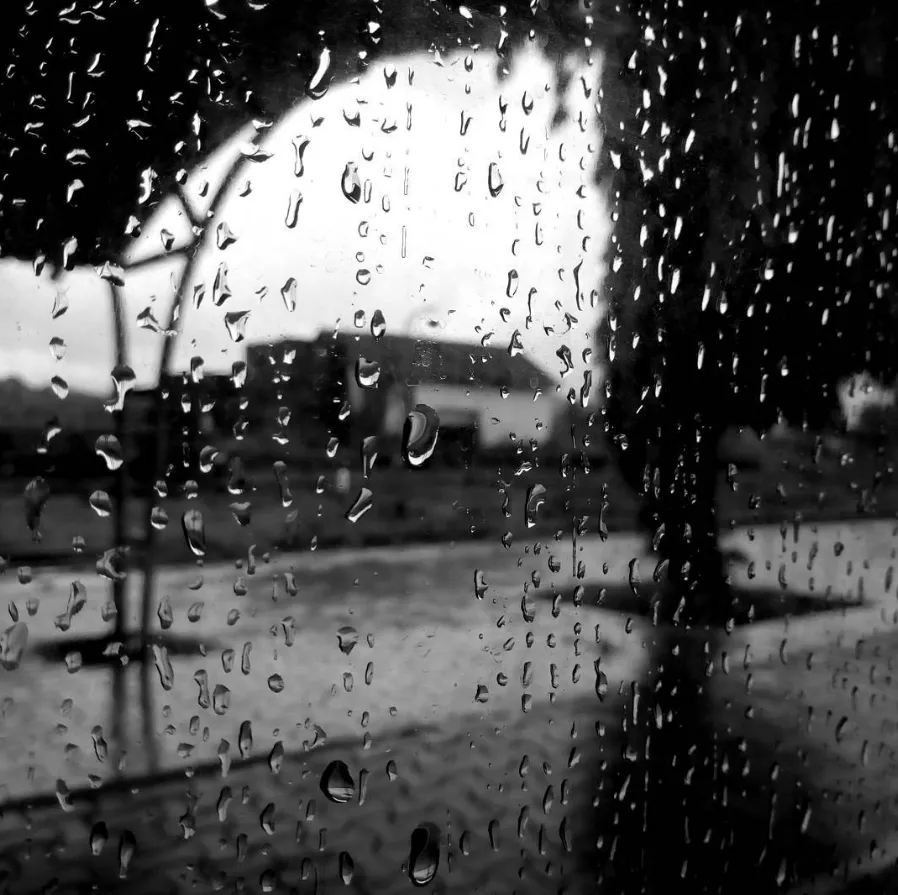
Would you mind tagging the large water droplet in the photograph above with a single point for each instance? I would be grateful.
(238, 373)
(347, 868)
(194, 531)
(512, 287)
(245, 739)
(300, 143)
(163, 667)
(111, 564)
(235, 323)
(100, 503)
(369, 455)
(99, 836)
(221, 291)
(347, 638)
(337, 783)
(60, 387)
(294, 201)
(288, 293)
(601, 681)
(195, 611)
(101, 747)
(37, 492)
(318, 84)
(361, 505)
(350, 183)
(109, 448)
(367, 373)
(276, 757)
(280, 472)
(424, 855)
(126, 848)
(495, 181)
(51, 429)
(378, 324)
(480, 585)
(633, 577)
(12, 646)
(221, 699)
(201, 676)
(536, 497)
(60, 305)
(419, 435)
(123, 380)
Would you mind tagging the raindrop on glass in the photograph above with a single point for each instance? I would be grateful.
(347, 638)
(367, 373)
(288, 294)
(194, 531)
(378, 324)
(337, 783)
(536, 497)
(100, 503)
(12, 646)
(108, 447)
(495, 181)
(420, 434)
(361, 505)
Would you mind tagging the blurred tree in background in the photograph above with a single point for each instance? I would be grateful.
(748, 159)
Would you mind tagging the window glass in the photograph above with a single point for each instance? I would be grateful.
(447, 446)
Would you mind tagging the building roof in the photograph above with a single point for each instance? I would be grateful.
(419, 360)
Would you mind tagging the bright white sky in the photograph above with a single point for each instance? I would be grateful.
(453, 271)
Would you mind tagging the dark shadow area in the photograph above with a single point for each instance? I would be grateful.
(111, 650)
(748, 605)
(689, 804)
(686, 794)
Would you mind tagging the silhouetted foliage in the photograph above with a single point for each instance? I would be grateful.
(749, 152)
(105, 102)
(100, 103)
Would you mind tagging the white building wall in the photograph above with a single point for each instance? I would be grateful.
(496, 417)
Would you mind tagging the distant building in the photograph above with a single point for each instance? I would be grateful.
(482, 392)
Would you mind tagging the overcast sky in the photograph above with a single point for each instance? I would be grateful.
(437, 254)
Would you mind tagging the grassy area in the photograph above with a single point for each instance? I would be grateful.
(408, 505)
(443, 503)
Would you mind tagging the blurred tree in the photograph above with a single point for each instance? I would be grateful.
(747, 159)
(100, 107)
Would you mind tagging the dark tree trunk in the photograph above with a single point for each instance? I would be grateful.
(669, 455)
(666, 809)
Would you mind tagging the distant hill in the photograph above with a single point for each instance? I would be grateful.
(24, 407)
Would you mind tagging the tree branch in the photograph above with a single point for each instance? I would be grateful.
(151, 260)
(180, 194)
(160, 406)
